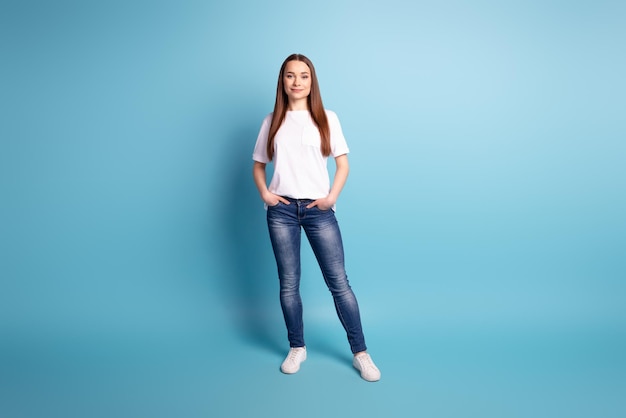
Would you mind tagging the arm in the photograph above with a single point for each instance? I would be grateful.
(341, 175)
(270, 199)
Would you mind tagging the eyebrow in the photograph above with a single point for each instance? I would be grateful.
(291, 72)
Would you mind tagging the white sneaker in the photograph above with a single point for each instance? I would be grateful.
(292, 363)
(364, 364)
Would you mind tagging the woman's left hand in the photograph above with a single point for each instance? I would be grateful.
(323, 204)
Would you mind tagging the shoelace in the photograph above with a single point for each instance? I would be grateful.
(293, 353)
(366, 362)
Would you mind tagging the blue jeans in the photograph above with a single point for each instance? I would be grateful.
(285, 223)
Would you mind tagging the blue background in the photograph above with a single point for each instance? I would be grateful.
(484, 218)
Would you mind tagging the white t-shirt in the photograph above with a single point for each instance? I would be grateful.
(300, 169)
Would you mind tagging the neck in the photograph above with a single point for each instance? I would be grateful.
(298, 105)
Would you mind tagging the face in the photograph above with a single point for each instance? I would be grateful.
(297, 81)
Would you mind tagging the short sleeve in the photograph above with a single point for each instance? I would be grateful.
(338, 144)
(260, 149)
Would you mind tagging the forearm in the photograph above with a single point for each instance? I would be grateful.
(270, 199)
(340, 178)
(258, 173)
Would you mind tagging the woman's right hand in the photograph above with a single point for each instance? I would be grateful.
(272, 199)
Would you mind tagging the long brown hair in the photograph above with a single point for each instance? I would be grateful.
(314, 100)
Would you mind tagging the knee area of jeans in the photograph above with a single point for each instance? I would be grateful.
(289, 275)
(290, 293)
(344, 294)
(339, 285)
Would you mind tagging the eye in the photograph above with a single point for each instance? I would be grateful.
(289, 76)
(305, 77)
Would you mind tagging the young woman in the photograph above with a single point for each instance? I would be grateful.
(298, 137)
